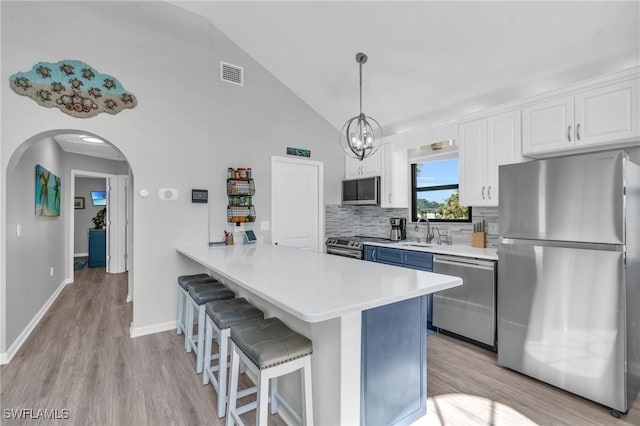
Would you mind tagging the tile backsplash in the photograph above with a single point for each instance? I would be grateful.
(374, 221)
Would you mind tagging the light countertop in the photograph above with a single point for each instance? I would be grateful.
(315, 286)
(454, 250)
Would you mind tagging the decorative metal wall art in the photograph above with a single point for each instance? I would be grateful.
(74, 87)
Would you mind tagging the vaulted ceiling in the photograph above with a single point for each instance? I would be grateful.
(428, 60)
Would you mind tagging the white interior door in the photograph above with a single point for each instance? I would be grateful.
(297, 203)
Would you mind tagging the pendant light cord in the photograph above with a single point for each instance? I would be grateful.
(360, 88)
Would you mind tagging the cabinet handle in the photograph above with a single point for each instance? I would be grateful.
(578, 131)
(483, 192)
(389, 197)
(373, 255)
(569, 133)
(489, 191)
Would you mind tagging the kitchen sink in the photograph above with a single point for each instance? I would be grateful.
(415, 244)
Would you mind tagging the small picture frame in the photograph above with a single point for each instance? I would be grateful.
(78, 203)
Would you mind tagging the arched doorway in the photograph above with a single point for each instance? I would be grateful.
(39, 250)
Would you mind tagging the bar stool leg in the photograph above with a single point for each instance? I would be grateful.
(180, 321)
(263, 399)
(222, 372)
(200, 348)
(307, 416)
(188, 334)
(206, 363)
(233, 390)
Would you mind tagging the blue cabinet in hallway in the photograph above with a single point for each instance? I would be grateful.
(97, 248)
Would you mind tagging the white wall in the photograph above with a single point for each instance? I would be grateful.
(38, 248)
(82, 217)
(187, 128)
(253, 122)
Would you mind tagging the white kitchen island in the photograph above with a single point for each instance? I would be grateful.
(367, 322)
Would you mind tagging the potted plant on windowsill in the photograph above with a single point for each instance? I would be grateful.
(99, 219)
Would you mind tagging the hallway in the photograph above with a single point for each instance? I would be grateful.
(80, 358)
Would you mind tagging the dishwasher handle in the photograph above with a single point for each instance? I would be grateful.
(488, 265)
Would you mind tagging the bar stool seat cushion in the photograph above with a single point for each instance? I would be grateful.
(200, 279)
(185, 278)
(200, 284)
(210, 292)
(228, 312)
(270, 342)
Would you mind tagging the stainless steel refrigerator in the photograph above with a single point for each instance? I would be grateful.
(569, 272)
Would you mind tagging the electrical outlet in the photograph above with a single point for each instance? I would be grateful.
(51, 271)
(494, 229)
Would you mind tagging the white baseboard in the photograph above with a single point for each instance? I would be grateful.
(6, 357)
(288, 415)
(151, 329)
(81, 255)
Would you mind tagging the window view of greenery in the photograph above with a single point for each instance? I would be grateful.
(435, 192)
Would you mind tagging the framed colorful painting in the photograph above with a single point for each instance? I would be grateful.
(48, 187)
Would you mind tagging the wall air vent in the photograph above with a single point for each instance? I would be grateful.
(230, 73)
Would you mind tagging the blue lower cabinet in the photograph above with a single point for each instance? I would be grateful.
(97, 248)
(394, 363)
(370, 253)
(417, 260)
(388, 255)
(407, 259)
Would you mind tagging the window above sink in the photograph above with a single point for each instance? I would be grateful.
(434, 189)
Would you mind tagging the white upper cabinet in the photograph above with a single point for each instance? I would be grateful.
(484, 145)
(394, 177)
(547, 126)
(603, 116)
(607, 114)
(370, 166)
(472, 151)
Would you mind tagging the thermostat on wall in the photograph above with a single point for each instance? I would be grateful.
(199, 195)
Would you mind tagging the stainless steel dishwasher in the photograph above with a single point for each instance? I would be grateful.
(470, 309)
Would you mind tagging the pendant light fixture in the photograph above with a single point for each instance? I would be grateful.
(361, 135)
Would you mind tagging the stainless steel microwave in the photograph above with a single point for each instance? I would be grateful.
(363, 191)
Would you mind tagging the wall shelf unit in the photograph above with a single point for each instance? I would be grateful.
(240, 208)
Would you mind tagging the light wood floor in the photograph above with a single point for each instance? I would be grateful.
(80, 358)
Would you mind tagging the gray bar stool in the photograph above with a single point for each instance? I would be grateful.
(269, 349)
(185, 282)
(220, 317)
(200, 295)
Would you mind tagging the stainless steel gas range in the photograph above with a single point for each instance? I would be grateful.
(351, 246)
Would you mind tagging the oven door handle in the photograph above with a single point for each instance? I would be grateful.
(344, 252)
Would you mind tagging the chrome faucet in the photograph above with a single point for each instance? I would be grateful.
(429, 234)
(439, 236)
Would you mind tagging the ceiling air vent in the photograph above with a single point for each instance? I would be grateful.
(231, 73)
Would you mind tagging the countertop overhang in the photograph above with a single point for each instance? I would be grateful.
(315, 286)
